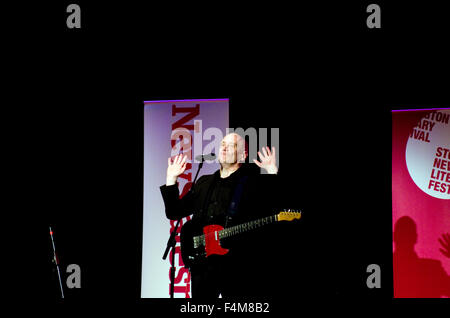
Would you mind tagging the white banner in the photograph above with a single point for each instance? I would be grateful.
(172, 127)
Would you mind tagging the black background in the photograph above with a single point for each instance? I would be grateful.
(314, 70)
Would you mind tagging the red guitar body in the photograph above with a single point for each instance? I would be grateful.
(212, 241)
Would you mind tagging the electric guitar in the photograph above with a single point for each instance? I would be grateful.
(196, 247)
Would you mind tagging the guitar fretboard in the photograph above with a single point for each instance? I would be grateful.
(244, 227)
(237, 229)
(241, 228)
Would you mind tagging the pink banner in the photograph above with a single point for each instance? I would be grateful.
(421, 203)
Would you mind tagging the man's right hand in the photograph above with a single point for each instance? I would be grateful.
(175, 168)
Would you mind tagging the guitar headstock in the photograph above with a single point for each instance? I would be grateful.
(289, 215)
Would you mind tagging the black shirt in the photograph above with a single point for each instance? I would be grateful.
(222, 191)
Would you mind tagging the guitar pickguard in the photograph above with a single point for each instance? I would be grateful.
(212, 240)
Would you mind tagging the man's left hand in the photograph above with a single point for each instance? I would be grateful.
(268, 160)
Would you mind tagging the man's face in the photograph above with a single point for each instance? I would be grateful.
(232, 149)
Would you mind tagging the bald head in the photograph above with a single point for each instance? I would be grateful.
(232, 149)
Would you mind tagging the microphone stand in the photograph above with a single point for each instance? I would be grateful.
(55, 261)
(172, 242)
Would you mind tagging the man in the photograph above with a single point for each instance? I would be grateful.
(236, 273)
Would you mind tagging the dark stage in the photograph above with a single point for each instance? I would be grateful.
(316, 72)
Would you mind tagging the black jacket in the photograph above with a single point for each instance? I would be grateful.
(258, 198)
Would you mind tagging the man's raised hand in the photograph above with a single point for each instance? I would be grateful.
(268, 160)
(175, 167)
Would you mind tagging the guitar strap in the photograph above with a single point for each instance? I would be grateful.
(232, 210)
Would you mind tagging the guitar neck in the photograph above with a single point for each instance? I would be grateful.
(244, 227)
